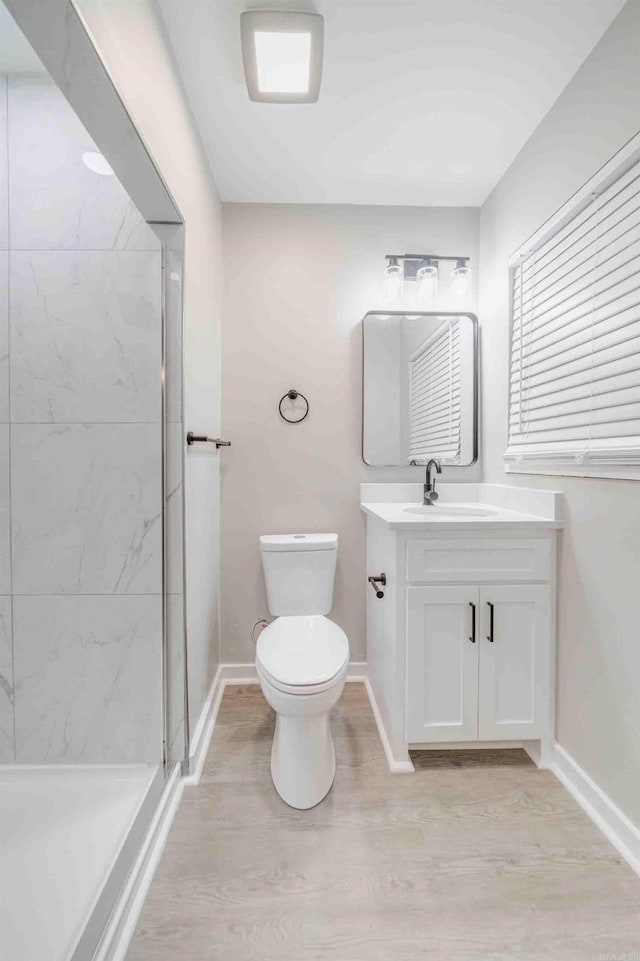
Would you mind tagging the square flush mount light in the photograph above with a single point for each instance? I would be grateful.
(282, 55)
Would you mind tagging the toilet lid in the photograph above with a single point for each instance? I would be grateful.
(303, 650)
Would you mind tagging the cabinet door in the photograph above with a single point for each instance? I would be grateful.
(514, 662)
(442, 664)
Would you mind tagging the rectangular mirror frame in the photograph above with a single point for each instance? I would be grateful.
(475, 390)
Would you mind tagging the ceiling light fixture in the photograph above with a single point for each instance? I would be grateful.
(282, 55)
(97, 163)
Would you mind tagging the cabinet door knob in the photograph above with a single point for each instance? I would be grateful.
(473, 622)
(490, 634)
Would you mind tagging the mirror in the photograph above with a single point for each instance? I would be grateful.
(420, 387)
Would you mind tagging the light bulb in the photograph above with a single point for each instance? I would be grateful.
(393, 279)
(427, 280)
(461, 278)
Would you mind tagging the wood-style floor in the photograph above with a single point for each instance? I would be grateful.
(469, 858)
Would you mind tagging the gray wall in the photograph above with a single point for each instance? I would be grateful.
(598, 644)
(298, 281)
(80, 482)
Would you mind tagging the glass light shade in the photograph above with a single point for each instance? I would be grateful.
(393, 281)
(427, 280)
(461, 278)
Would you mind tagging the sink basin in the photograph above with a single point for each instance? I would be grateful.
(450, 510)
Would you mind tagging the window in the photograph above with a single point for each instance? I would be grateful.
(434, 396)
(574, 403)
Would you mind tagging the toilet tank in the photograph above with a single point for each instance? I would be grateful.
(299, 571)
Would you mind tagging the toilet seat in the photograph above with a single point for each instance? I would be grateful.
(302, 654)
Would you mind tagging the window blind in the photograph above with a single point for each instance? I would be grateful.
(434, 396)
(575, 347)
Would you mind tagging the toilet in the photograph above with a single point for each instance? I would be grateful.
(301, 661)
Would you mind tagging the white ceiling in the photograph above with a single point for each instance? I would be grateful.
(423, 102)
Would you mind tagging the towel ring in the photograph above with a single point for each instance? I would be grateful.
(293, 395)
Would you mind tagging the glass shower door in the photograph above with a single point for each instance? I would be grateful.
(92, 661)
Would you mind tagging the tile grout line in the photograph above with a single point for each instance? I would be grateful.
(13, 648)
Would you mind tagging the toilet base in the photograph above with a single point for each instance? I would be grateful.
(303, 760)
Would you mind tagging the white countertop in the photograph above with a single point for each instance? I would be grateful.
(503, 507)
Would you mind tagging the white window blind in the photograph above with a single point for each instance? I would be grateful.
(575, 349)
(434, 396)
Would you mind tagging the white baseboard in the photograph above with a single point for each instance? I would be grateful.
(119, 930)
(246, 673)
(395, 766)
(199, 732)
(614, 824)
(239, 673)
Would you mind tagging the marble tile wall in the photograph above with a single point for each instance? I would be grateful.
(56, 202)
(82, 665)
(84, 337)
(80, 448)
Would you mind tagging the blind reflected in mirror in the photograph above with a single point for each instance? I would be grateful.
(419, 389)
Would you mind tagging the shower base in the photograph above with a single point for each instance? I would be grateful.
(61, 830)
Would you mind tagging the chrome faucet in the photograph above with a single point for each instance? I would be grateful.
(430, 492)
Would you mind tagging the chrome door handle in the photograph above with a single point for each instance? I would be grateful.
(203, 439)
(473, 622)
(490, 634)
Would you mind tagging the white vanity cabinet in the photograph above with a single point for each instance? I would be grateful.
(461, 649)
(478, 660)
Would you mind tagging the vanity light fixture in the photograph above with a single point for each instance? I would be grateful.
(427, 280)
(424, 271)
(393, 279)
(97, 163)
(282, 55)
(461, 278)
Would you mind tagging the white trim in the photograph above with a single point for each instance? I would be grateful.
(243, 673)
(120, 928)
(239, 673)
(199, 731)
(464, 745)
(204, 730)
(568, 470)
(541, 752)
(626, 157)
(395, 766)
(614, 824)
